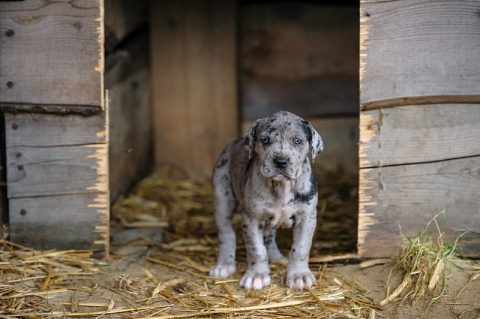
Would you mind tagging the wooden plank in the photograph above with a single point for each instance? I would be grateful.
(328, 96)
(408, 196)
(294, 41)
(128, 82)
(130, 130)
(298, 57)
(421, 100)
(419, 48)
(194, 81)
(78, 221)
(54, 170)
(51, 154)
(23, 129)
(416, 134)
(52, 52)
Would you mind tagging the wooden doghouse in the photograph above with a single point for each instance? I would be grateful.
(184, 78)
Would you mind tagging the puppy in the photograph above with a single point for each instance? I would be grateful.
(269, 176)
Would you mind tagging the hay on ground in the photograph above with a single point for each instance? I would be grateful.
(50, 284)
(424, 262)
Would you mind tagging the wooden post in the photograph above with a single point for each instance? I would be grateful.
(194, 91)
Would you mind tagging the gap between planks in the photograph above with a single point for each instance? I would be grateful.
(420, 100)
(420, 163)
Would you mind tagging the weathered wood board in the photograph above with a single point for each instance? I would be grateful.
(51, 71)
(194, 89)
(51, 154)
(419, 134)
(298, 57)
(127, 78)
(130, 148)
(52, 53)
(40, 170)
(57, 178)
(79, 221)
(30, 130)
(410, 50)
(404, 198)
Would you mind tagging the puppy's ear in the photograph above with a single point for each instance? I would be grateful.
(316, 142)
(249, 141)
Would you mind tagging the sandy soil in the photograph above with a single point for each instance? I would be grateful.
(130, 286)
(149, 278)
(460, 297)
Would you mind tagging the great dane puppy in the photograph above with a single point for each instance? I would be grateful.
(269, 175)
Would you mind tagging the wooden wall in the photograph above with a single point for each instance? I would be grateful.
(419, 121)
(56, 123)
(298, 57)
(194, 88)
(127, 77)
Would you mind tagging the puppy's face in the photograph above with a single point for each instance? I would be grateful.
(282, 142)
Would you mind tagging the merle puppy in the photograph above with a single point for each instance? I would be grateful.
(269, 175)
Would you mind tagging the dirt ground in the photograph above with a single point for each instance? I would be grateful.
(459, 297)
(161, 271)
(147, 277)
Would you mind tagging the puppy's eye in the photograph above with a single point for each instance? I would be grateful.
(265, 140)
(298, 141)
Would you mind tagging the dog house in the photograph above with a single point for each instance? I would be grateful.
(94, 93)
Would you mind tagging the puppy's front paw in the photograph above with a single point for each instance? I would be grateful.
(300, 279)
(223, 270)
(255, 280)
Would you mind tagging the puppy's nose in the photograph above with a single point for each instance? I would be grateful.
(280, 161)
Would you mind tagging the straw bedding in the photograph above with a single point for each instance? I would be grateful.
(45, 284)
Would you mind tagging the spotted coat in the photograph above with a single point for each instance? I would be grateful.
(269, 176)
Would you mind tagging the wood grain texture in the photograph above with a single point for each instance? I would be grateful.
(418, 48)
(63, 222)
(298, 57)
(294, 41)
(416, 134)
(127, 79)
(53, 154)
(421, 100)
(419, 134)
(130, 134)
(40, 171)
(52, 52)
(57, 171)
(194, 81)
(408, 196)
(34, 130)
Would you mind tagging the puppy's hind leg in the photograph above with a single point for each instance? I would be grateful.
(273, 252)
(225, 205)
